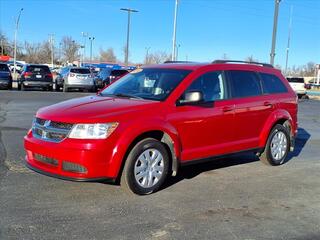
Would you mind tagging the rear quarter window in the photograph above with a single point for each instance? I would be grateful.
(296, 80)
(272, 84)
(244, 83)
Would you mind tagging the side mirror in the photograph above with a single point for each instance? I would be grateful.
(191, 98)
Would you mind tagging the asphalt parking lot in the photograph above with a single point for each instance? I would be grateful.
(234, 198)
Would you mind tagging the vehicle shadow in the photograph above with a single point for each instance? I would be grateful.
(301, 140)
(191, 171)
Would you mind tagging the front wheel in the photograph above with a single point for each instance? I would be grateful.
(146, 167)
(277, 146)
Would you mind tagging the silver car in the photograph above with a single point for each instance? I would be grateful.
(78, 78)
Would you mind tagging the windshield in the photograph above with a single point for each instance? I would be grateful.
(149, 83)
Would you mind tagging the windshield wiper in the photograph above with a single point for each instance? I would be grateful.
(125, 95)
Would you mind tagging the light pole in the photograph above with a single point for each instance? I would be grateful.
(147, 55)
(173, 55)
(91, 40)
(274, 33)
(126, 60)
(51, 41)
(177, 51)
(84, 36)
(15, 44)
(288, 44)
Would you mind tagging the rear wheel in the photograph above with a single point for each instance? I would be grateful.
(277, 146)
(146, 167)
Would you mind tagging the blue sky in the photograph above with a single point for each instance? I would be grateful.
(207, 29)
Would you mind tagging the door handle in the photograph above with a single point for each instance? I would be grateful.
(268, 104)
(228, 108)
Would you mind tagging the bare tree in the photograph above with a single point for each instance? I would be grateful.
(32, 52)
(107, 55)
(251, 59)
(158, 57)
(70, 49)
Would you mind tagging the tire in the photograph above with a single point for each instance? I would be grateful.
(50, 89)
(278, 133)
(305, 96)
(65, 89)
(130, 178)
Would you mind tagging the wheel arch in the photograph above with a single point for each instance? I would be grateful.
(168, 137)
(279, 117)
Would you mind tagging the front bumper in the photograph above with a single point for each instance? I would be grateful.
(92, 157)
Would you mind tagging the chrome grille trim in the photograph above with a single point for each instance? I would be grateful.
(50, 131)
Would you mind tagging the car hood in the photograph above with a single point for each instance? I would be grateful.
(93, 109)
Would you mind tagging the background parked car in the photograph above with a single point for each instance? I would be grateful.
(107, 76)
(298, 85)
(78, 78)
(36, 76)
(5, 77)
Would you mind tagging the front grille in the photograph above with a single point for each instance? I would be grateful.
(50, 130)
(45, 159)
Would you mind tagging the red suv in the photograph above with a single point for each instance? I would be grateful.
(144, 126)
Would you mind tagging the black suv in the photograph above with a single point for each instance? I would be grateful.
(36, 76)
(5, 77)
(107, 76)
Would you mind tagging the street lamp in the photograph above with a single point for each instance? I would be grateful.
(91, 40)
(177, 51)
(128, 32)
(15, 44)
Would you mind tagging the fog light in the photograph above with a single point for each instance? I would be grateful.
(73, 167)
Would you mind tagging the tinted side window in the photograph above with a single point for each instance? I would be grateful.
(211, 84)
(272, 84)
(244, 83)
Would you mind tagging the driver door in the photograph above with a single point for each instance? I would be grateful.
(205, 128)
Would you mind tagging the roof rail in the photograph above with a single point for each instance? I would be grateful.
(178, 61)
(239, 61)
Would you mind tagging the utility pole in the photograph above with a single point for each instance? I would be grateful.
(15, 45)
(274, 33)
(289, 35)
(126, 60)
(173, 54)
(91, 40)
(51, 41)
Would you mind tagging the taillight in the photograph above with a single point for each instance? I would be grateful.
(71, 74)
(49, 75)
(27, 74)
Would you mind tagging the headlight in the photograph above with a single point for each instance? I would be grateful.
(92, 131)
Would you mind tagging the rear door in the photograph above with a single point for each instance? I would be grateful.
(252, 108)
